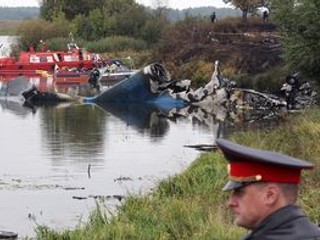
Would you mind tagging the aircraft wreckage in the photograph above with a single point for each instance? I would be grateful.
(152, 85)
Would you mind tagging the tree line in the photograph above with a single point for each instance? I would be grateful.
(96, 19)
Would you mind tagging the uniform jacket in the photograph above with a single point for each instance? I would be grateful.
(287, 223)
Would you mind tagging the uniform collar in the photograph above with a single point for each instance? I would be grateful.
(274, 220)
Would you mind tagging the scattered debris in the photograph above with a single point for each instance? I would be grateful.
(122, 179)
(73, 188)
(203, 147)
(298, 92)
(101, 197)
(89, 170)
(8, 235)
(79, 198)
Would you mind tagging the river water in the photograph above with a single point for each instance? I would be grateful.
(55, 160)
(55, 155)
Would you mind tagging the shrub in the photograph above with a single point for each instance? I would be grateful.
(116, 43)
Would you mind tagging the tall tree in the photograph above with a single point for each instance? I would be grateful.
(70, 8)
(49, 8)
(246, 6)
(300, 24)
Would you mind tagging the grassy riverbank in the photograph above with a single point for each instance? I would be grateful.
(192, 206)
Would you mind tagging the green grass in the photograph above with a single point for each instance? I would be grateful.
(191, 205)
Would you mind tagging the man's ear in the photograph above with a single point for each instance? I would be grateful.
(271, 193)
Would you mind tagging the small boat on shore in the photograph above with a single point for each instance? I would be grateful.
(116, 70)
(67, 76)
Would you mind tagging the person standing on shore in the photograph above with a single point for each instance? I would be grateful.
(213, 17)
(194, 35)
(265, 15)
(43, 46)
(264, 187)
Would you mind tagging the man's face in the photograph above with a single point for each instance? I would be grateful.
(248, 205)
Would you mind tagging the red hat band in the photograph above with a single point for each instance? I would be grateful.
(265, 172)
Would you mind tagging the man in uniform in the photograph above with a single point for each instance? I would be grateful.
(264, 189)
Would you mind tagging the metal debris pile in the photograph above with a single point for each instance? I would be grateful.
(297, 93)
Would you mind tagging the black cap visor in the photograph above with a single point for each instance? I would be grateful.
(233, 185)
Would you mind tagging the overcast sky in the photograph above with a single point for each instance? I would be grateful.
(179, 4)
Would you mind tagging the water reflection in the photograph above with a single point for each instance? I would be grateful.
(143, 117)
(70, 130)
(15, 107)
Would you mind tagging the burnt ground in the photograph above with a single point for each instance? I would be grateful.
(250, 47)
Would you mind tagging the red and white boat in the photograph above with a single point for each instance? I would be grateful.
(28, 62)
